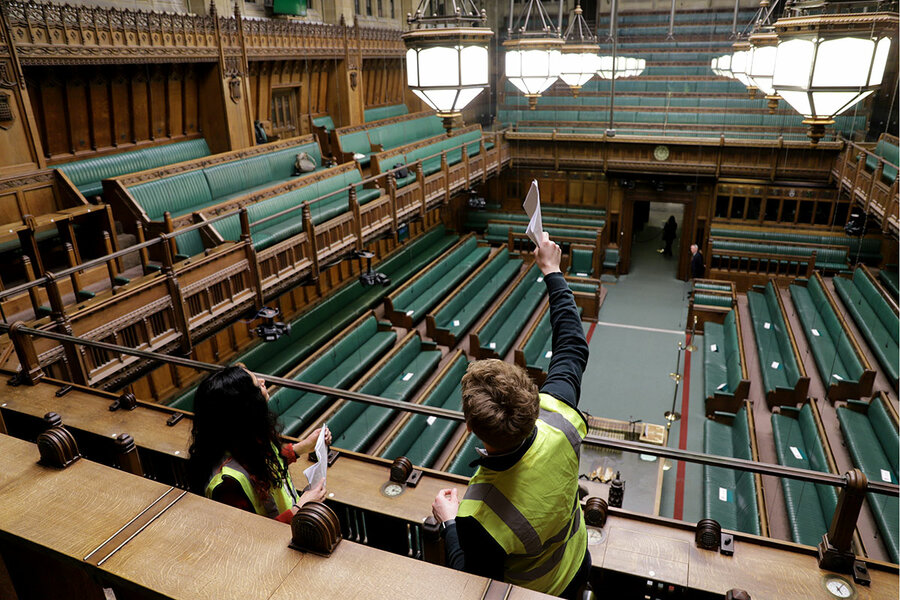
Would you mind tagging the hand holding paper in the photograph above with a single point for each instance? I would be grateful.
(318, 471)
(532, 206)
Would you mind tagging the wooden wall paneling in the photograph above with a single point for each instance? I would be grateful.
(158, 101)
(120, 102)
(78, 113)
(140, 109)
(174, 101)
(55, 126)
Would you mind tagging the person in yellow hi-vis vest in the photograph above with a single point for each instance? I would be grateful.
(236, 456)
(520, 520)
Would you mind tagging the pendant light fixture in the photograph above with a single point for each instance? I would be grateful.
(740, 65)
(826, 63)
(580, 54)
(762, 65)
(447, 55)
(621, 66)
(533, 52)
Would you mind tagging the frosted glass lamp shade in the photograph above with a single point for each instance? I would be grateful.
(578, 66)
(739, 66)
(625, 67)
(532, 65)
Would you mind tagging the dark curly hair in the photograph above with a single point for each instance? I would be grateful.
(231, 415)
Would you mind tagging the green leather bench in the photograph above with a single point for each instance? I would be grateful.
(388, 136)
(354, 426)
(611, 259)
(499, 232)
(422, 439)
(87, 175)
(874, 317)
(538, 349)
(468, 453)
(781, 374)
(729, 496)
(870, 433)
(834, 354)
(888, 277)
(712, 287)
(478, 220)
(339, 367)
(422, 294)
(285, 226)
(809, 506)
(722, 372)
(827, 259)
(325, 122)
(195, 190)
(384, 112)
(334, 312)
(429, 154)
(890, 153)
(582, 262)
(867, 249)
(582, 286)
(468, 304)
(499, 333)
(706, 298)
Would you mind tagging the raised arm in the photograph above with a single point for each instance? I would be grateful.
(569, 347)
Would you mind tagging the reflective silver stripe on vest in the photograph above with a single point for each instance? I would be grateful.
(508, 513)
(551, 563)
(555, 419)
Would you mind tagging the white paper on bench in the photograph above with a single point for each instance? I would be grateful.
(409, 313)
(540, 279)
(815, 332)
(885, 475)
(713, 348)
(407, 377)
(723, 494)
(836, 376)
(456, 322)
(492, 345)
(775, 364)
(548, 354)
(581, 274)
(767, 325)
(796, 452)
(430, 420)
(721, 386)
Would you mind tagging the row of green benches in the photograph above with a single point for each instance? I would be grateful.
(362, 142)
(723, 370)
(536, 350)
(830, 259)
(874, 317)
(430, 154)
(783, 376)
(888, 276)
(87, 175)
(478, 220)
(499, 231)
(867, 249)
(844, 370)
(871, 434)
(888, 151)
(328, 317)
(384, 112)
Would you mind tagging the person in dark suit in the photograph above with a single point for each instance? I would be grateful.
(698, 269)
(669, 233)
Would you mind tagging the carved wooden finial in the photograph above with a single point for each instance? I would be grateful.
(401, 469)
(57, 447)
(212, 8)
(595, 511)
(315, 528)
(52, 419)
(736, 594)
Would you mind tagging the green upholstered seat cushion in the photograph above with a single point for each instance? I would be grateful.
(178, 194)
(611, 258)
(582, 262)
(461, 463)
(858, 298)
(539, 347)
(384, 112)
(730, 496)
(829, 343)
(325, 121)
(501, 331)
(889, 277)
(771, 361)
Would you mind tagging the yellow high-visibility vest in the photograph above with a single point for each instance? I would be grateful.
(278, 500)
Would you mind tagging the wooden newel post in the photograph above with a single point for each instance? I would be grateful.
(432, 544)
(835, 553)
(29, 364)
(313, 245)
(251, 257)
(179, 310)
(128, 458)
(391, 184)
(357, 218)
(74, 354)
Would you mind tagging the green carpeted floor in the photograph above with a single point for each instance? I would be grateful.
(633, 350)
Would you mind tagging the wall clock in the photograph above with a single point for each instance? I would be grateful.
(661, 153)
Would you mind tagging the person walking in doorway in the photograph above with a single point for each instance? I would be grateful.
(669, 233)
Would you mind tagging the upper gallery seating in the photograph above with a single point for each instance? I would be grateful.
(784, 378)
(361, 141)
(800, 442)
(844, 370)
(871, 435)
(874, 317)
(334, 312)
(422, 438)
(828, 257)
(87, 175)
(449, 321)
(726, 383)
(676, 95)
(337, 364)
(887, 149)
(409, 304)
(378, 113)
(354, 425)
(732, 497)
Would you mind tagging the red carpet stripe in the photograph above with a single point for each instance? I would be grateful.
(591, 332)
(678, 512)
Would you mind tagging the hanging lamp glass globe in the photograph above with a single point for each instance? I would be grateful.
(722, 66)
(740, 65)
(622, 66)
(762, 65)
(579, 54)
(447, 56)
(533, 55)
(827, 63)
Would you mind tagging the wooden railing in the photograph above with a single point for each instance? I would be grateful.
(746, 269)
(867, 188)
(46, 34)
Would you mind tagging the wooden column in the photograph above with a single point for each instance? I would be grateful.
(31, 372)
(835, 553)
(346, 102)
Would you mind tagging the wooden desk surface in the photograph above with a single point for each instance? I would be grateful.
(56, 509)
(669, 554)
(90, 413)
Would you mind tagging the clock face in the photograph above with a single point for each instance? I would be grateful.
(391, 489)
(661, 153)
(839, 587)
(595, 536)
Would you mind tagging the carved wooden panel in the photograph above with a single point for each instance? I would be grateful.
(384, 81)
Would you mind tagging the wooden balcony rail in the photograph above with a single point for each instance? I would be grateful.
(867, 188)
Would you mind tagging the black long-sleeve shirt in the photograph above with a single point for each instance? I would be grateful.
(469, 546)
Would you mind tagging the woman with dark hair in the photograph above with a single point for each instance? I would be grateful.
(235, 454)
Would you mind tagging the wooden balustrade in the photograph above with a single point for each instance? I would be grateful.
(867, 188)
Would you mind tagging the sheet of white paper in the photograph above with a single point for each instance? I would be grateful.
(456, 322)
(532, 206)
(767, 325)
(796, 452)
(885, 475)
(319, 470)
(815, 332)
(721, 386)
(836, 376)
(548, 354)
(492, 345)
(408, 376)
(713, 348)
(775, 364)
(723, 494)
(430, 420)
